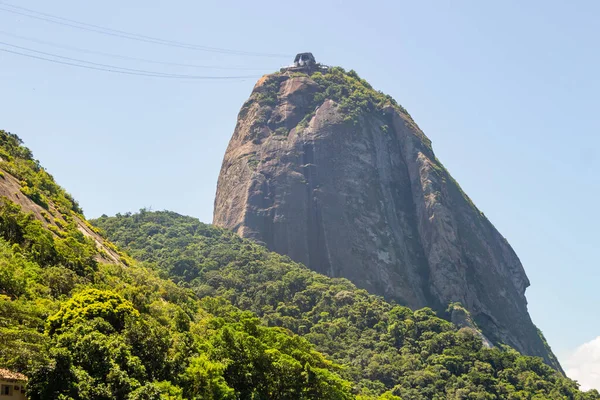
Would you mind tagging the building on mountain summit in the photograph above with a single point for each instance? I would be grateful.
(304, 59)
(12, 385)
(305, 62)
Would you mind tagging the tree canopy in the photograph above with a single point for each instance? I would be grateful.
(385, 349)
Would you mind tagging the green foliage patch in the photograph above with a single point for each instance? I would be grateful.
(354, 95)
(36, 183)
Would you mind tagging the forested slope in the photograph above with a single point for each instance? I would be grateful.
(195, 312)
(83, 328)
(382, 346)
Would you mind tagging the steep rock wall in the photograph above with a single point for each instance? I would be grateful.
(365, 198)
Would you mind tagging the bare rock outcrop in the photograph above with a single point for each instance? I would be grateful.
(339, 177)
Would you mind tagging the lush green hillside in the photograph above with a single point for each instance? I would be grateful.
(81, 328)
(382, 346)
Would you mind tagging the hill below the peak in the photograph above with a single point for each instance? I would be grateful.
(382, 347)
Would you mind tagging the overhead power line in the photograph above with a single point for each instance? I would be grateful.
(111, 68)
(122, 57)
(123, 34)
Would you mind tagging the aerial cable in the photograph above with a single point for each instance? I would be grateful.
(150, 74)
(89, 62)
(99, 31)
(126, 35)
(115, 69)
(78, 49)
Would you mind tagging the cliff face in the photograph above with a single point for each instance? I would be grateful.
(339, 177)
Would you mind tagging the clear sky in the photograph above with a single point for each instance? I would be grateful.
(507, 91)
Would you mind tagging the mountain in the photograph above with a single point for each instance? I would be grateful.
(339, 177)
(199, 313)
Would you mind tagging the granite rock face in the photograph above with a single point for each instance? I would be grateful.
(365, 198)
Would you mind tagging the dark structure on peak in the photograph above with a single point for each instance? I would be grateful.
(338, 176)
(305, 62)
(304, 59)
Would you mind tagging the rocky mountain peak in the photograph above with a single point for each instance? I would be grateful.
(325, 169)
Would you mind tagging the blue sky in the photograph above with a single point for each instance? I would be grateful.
(507, 91)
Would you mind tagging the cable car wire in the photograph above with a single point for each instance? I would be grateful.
(77, 49)
(123, 34)
(112, 68)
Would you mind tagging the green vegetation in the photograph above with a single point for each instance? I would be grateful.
(268, 91)
(35, 181)
(385, 349)
(81, 329)
(207, 315)
(281, 131)
(356, 98)
(34, 195)
(354, 95)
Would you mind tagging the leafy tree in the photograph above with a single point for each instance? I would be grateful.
(89, 304)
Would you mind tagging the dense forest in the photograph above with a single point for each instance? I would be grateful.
(84, 329)
(194, 312)
(382, 346)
